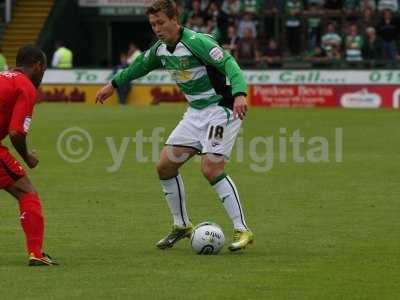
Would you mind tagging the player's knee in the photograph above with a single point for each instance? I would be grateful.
(19, 192)
(165, 170)
(210, 172)
(27, 189)
(22, 187)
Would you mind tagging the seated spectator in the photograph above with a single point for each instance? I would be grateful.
(331, 39)
(195, 17)
(250, 6)
(353, 44)
(351, 7)
(247, 49)
(294, 9)
(133, 53)
(212, 29)
(318, 57)
(373, 47)
(246, 23)
(183, 12)
(231, 8)
(212, 12)
(335, 56)
(364, 4)
(232, 40)
(219, 17)
(195, 23)
(272, 55)
(388, 31)
(391, 5)
(367, 19)
(122, 90)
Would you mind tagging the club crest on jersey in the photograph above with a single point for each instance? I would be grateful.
(27, 123)
(184, 63)
(216, 54)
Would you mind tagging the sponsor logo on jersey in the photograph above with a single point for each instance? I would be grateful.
(181, 76)
(216, 54)
(27, 123)
(8, 74)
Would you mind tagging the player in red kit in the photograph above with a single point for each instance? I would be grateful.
(17, 99)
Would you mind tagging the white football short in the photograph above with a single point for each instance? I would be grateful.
(209, 130)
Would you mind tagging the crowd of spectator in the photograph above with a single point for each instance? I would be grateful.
(321, 32)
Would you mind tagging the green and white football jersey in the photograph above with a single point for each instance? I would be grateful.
(198, 65)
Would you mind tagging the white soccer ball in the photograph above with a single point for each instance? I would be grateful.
(207, 238)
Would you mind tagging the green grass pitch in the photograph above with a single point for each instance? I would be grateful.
(328, 230)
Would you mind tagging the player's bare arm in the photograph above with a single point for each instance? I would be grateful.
(104, 93)
(19, 142)
(240, 107)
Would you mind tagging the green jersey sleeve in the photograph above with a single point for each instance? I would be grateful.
(208, 50)
(142, 65)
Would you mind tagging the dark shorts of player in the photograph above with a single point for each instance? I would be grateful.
(11, 169)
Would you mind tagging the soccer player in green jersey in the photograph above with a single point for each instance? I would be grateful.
(211, 123)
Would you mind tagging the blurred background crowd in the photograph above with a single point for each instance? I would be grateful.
(278, 33)
(259, 33)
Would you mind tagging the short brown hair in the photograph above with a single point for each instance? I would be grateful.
(166, 6)
(30, 54)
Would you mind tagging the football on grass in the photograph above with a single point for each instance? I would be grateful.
(207, 238)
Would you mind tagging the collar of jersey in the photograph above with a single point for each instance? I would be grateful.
(171, 49)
